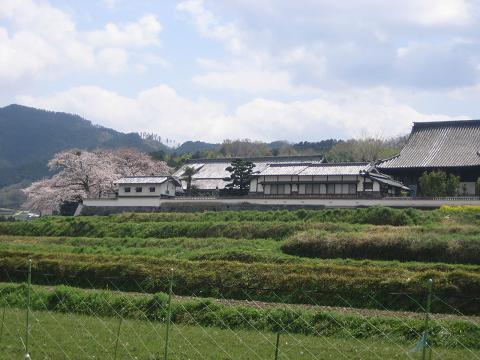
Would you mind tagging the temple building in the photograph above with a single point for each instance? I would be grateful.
(451, 146)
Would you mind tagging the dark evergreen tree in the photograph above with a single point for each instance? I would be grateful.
(239, 180)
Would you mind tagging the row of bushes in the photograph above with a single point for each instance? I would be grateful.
(372, 215)
(384, 246)
(362, 285)
(205, 312)
(81, 227)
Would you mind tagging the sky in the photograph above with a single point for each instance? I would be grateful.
(302, 70)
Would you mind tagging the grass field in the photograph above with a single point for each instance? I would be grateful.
(64, 336)
(354, 261)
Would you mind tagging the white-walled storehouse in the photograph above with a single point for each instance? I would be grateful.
(147, 186)
(137, 192)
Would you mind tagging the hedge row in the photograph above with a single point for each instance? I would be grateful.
(363, 285)
(81, 227)
(205, 312)
(373, 215)
(385, 246)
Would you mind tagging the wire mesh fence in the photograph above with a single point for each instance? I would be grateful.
(45, 320)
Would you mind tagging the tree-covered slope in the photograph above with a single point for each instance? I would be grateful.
(29, 137)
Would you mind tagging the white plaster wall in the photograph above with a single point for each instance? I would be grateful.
(467, 188)
(125, 201)
(253, 185)
(267, 189)
(166, 188)
(301, 189)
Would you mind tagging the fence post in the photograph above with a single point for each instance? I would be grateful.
(169, 316)
(3, 322)
(277, 346)
(118, 336)
(27, 325)
(427, 318)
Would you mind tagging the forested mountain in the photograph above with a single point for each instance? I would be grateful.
(29, 137)
(195, 146)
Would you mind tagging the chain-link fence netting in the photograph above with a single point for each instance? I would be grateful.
(78, 319)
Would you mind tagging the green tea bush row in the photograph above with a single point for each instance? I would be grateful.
(80, 227)
(360, 285)
(384, 246)
(206, 312)
(373, 215)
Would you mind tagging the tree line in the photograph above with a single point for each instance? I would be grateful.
(367, 148)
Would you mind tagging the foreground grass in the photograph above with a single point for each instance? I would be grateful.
(402, 327)
(62, 336)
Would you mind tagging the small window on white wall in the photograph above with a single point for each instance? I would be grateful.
(368, 186)
(138, 189)
(127, 189)
(152, 188)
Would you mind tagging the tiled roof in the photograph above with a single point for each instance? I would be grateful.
(315, 169)
(388, 181)
(142, 180)
(267, 159)
(337, 169)
(289, 169)
(211, 172)
(207, 184)
(439, 144)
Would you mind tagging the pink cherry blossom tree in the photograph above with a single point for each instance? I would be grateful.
(83, 174)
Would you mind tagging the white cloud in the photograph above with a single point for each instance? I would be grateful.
(40, 40)
(163, 111)
(325, 43)
(208, 25)
(255, 81)
(114, 60)
(141, 33)
(251, 70)
(440, 12)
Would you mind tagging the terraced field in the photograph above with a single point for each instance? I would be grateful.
(348, 276)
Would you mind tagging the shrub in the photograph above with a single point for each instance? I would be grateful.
(384, 246)
(439, 183)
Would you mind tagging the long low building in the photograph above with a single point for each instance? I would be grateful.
(210, 174)
(323, 180)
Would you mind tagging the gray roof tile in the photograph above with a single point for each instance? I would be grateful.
(439, 144)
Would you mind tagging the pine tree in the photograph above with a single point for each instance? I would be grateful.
(239, 179)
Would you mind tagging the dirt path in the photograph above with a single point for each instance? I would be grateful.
(342, 310)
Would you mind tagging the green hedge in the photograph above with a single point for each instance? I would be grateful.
(360, 285)
(205, 312)
(385, 246)
(81, 227)
(372, 215)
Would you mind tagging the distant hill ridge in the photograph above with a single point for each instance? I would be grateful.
(29, 137)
